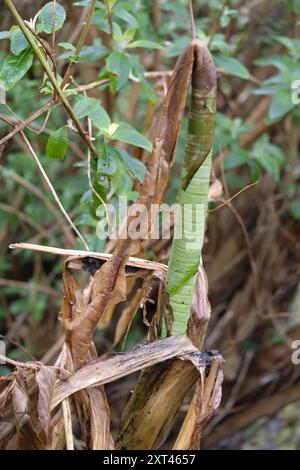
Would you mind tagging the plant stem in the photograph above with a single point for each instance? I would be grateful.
(192, 20)
(193, 192)
(80, 42)
(110, 22)
(19, 127)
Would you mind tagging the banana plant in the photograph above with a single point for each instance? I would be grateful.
(193, 193)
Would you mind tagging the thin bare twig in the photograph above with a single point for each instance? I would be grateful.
(37, 130)
(80, 42)
(245, 233)
(192, 20)
(233, 197)
(43, 126)
(89, 86)
(215, 23)
(30, 365)
(52, 190)
(21, 126)
(53, 31)
(39, 194)
(19, 346)
(25, 218)
(42, 42)
(110, 23)
(132, 261)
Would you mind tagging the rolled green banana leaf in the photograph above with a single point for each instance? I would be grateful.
(193, 192)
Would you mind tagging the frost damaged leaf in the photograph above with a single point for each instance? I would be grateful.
(127, 316)
(105, 370)
(45, 379)
(20, 403)
(200, 310)
(27, 437)
(81, 318)
(205, 402)
(6, 384)
(100, 436)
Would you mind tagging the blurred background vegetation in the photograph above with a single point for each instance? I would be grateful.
(252, 243)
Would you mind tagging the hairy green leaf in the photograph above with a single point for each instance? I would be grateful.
(119, 64)
(126, 16)
(100, 118)
(106, 164)
(232, 66)
(128, 134)
(45, 18)
(14, 67)
(135, 167)
(57, 144)
(280, 105)
(86, 106)
(18, 42)
(144, 43)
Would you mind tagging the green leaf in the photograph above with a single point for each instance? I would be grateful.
(269, 164)
(232, 66)
(120, 65)
(129, 34)
(91, 107)
(93, 53)
(236, 157)
(100, 118)
(135, 167)
(5, 34)
(148, 90)
(268, 155)
(177, 47)
(45, 18)
(128, 134)
(111, 3)
(280, 105)
(138, 71)
(126, 16)
(57, 144)
(68, 46)
(71, 54)
(86, 106)
(117, 33)
(106, 163)
(144, 43)
(285, 64)
(15, 67)
(293, 45)
(18, 42)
